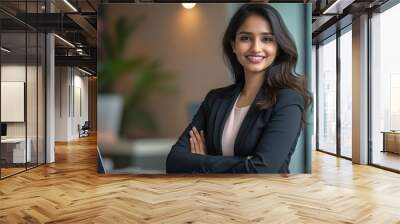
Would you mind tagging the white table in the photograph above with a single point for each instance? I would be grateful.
(19, 149)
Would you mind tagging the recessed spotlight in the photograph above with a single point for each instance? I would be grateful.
(188, 5)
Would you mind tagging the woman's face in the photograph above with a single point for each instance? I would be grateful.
(255, 46)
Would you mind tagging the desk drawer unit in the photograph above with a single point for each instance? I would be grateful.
(19, 154)
(6, 153)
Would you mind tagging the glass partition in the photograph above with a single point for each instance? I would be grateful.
(13, 105)
(22, 77)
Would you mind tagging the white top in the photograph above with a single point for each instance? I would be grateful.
(231, 128)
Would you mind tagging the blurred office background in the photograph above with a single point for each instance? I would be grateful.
(51, 46)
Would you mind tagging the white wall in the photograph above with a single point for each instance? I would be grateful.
(16, 73)
(33, 126)
(13, 73)
(71, 87)
(61, 103)
(80, 84)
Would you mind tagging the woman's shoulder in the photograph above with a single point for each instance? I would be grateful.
(289, 96)
(221, 92)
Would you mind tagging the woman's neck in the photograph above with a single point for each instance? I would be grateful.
(252, 85)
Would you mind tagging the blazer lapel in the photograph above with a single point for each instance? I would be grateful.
(247, 123)
(226, 104)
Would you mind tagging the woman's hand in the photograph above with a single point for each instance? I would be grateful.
(197, 142)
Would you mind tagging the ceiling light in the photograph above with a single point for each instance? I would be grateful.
(5, 50)
(84, 71)
(70, 5)
(188, 5)
(337, 7)
(328, 10)
(64, 40)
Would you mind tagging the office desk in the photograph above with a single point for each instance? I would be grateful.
(13, 150)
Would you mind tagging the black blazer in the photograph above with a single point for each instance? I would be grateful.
(264, 144)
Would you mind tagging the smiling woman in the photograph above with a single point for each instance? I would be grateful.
(253, 125)
(254, 45)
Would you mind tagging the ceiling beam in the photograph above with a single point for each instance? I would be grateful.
(81, 61)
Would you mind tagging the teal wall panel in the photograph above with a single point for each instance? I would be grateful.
(297, 17)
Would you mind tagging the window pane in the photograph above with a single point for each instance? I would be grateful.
(346, 94)
(314, 92)
(327, 97)
(385, 86)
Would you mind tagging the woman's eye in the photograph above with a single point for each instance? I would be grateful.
(268, 39)
(244, 38)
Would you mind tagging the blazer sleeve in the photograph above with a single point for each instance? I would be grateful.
(181, 159)
(279, 137)
(273, 148)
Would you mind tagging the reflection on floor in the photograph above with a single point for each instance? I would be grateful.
(386, 159)
(10, 171)
(346, 151)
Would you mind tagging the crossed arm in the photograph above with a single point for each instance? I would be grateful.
(272, 150)
(197, 141)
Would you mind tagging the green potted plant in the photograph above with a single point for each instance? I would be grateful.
(146, 77)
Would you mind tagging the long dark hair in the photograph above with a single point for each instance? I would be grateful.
(281, 73)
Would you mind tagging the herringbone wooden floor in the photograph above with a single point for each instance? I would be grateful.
(70, 191)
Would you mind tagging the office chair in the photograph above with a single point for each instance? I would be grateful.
(84, 130)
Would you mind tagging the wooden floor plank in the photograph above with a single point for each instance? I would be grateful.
(71, 191)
